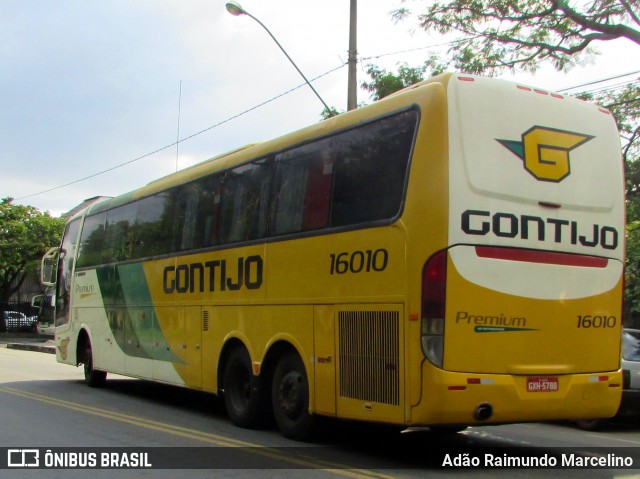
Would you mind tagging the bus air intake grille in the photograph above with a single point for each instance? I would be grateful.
(369, 356)
(205, 320)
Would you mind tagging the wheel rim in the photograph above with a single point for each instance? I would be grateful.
(240, 387)
(290, 394)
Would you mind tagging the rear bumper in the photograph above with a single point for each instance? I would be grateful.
(462, 398)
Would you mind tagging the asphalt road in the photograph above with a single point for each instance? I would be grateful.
(46, 406)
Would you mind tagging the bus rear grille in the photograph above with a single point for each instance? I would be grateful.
(369, 356)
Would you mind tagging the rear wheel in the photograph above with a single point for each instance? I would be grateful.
(591, 424)
(242, 391)
(290, 398)
(92, 377)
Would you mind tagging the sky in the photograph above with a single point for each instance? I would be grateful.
(88, 86)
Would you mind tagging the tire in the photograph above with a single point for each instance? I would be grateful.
(243, 395)
(290, 398)
(591, 424)
(92, 377)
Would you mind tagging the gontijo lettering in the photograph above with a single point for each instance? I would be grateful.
(509, 225)
(216, 275)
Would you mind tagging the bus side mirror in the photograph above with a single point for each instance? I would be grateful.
(49, 267)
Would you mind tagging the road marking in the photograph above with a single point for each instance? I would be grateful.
(218, 440)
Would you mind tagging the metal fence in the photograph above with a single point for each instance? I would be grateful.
(18, 316)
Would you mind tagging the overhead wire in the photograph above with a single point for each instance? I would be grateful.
(177, 142)
(248, 110)
(595, 82)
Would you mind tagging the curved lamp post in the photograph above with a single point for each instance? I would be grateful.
(235, 9)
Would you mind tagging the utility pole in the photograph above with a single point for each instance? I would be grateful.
(352, 61)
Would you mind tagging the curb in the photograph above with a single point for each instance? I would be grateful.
(41, 348)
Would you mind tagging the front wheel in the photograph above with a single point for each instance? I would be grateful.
(242, 391)
(92, 377)
(290, 398)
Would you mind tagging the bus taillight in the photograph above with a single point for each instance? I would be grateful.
(434, 294)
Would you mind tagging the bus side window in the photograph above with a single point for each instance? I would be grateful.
(244, 202)
(188, 198)
(371, 168)
(153, 230)
(197, 214)
(208, 211)
(92, 241)
(317, 201)
(302, 189)
(119, 233)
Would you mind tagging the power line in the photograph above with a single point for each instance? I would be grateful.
(614, 88)
(399, 52)
(176, 143)
(594, 82)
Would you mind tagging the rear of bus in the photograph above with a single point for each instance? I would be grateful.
(521, 312)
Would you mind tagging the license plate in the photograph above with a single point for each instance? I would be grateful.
(542, 384)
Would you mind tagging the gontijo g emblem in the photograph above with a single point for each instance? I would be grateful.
(545, 151)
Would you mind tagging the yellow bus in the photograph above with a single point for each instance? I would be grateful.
(449, 256)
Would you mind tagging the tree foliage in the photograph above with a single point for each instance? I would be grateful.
(25, 235)
(632, 276)
(384, 83)
(624, 104)
(509, 34)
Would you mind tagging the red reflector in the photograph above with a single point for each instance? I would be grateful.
(457, 388)
(525, 88)
(555, 95)
(545, 257)
(541, 92)
(466, 79)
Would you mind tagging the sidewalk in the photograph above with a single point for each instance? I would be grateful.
(42, 342)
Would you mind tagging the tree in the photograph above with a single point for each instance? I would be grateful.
(624, 104)
(384, 83)
(632, 276)
(510, 34)
(25, 235)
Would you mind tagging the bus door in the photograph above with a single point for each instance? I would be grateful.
(65, 351)
(66, 256)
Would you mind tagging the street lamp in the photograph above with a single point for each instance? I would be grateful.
(235, 9)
